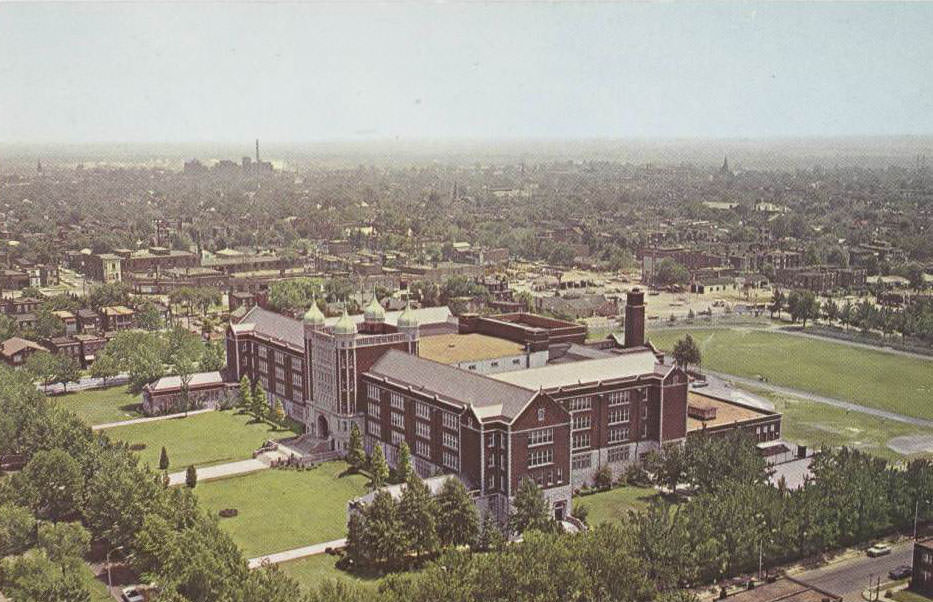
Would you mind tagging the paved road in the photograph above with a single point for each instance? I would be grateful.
(296, 553)
(849, 577)
(847, 405)
(110, 425)
(85, 383)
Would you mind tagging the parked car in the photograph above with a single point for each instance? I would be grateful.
(879, 549)
(901, 572)
(131, 594)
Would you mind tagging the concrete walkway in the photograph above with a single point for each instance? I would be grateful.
(846, 405)
(296, 553)
(220, 471)
(110, 425)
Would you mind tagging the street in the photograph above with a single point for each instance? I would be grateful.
(849, 577)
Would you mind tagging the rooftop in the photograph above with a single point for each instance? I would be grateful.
(726, 412)
(454, 348)
(14, 345)
(197, 380)
(585, 371)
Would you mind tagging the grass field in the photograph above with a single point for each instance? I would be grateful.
(202, 439)
(284, 509)
(100, 406)
(816, 424)
(311, 571)
(871, 378)
(612, 505)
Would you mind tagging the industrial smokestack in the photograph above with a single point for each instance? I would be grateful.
(257, 150)
(635, 319)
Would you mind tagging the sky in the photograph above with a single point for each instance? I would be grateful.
(184, 72)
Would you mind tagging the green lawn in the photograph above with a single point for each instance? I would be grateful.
(100, 406)
(202, 439)
(909, 596)
(613, 505)
(284, 509)
(872, 378)
(816, 424)
(311, 571)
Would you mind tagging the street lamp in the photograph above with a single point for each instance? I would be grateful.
(109, 578)
(917, 515)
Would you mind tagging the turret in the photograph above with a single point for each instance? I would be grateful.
(313, 318)
(374, 313)
(408, 324)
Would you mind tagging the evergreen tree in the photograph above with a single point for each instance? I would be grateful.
(490, 538)
(404, 469)
(686, 352)
(380, 468)
(163, 459)
(385, 533)
(531, 509)
(457, 518)
(259, 404)
(246, 394)
(191, 477)
(357, 548)
(356, 456)
(417, 510)
(279, 411)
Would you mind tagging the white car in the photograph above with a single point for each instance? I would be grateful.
(879, 549)
(131, 594)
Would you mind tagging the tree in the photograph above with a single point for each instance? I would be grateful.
(278, 411)
(163, 459)
(35, 578)
(246, 394)
(385, 532)
(531, 510)
(260, 404)
(213, 357)
(148, 317)
(54, 483)
(491, 537)
(42, 366)
(191, 477)
(380, 469)
(17, 529)
(48, 325)
(670, 272)
(686, 352)
(777, 303)
(603, 477)
(66, 370)
(356, 455)
(457, 518)
(403, 467)
(65, 543)
(417, 510)
(669, 465)
(105, 367)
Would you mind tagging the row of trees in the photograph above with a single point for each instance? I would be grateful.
(253, 399)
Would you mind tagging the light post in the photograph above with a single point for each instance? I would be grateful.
(917, 515)
(109, 578)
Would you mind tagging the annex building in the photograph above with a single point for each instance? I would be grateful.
(492, 399)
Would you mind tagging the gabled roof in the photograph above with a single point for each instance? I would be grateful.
(14, 345)
(585, 371)
(489, 398)
(272, 325)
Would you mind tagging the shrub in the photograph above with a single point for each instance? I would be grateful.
(191, 477)
(228, 512)
(603, 478)
(581, 511)
(137, 446)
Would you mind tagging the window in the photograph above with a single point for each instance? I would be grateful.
(516, 362)
(644, 411)
(540, 437)
(581, 403)
(471, 367)
(451, 461)
(617, 434)
(620, 414)
(618, 454)
(540, 457)
(644, 430)
(581, 440)
(617, 397)
(423, 429)
(373, 429)
(373, 392)
(494, 364)
(491, 440)
(581, 461)
(374, 409)
(397, 438)
(423, 410)
(450, 440)
(582, 421)
(490, 460)
(398, 420)
(296, 379)
(422, 449)
(280, 373)
(396, 400)
(540, 414)
(450, 420)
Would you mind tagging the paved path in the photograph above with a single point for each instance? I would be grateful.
(110, 425)
(219, 471)
(849, 577)
(295, 554)
(846, 405)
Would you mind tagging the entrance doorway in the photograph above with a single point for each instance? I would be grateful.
(322, 431)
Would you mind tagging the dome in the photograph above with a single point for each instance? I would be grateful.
(408, 319)
(313, 315)
(345, 325)
(374, 311)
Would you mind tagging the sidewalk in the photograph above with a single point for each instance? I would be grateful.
(220, 471)
(296, 553)
(98, 427)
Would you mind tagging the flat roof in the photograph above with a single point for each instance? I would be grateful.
(454, 348)
(726, 412)
(785, 590)
(585, 371)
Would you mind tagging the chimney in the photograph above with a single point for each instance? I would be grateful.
(257, 150)
(635, 319)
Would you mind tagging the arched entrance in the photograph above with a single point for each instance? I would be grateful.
(322, 431)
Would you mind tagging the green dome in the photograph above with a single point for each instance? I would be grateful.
(408, 319)
(313, 315)
(374, 311)
(345, 325)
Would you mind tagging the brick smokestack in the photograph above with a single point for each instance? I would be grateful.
(635, 318)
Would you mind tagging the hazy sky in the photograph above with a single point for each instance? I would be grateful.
(307, 72)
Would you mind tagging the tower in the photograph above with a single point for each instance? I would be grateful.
(257, 150)
(635, 318)
(408, 325)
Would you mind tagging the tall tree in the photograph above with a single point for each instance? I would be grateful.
(457, 518)
(54, 483)
(356, 455)
(403, 467)
(418, 511)
(386, 534)
(380, 469)
(531, 510)
(686, 352)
